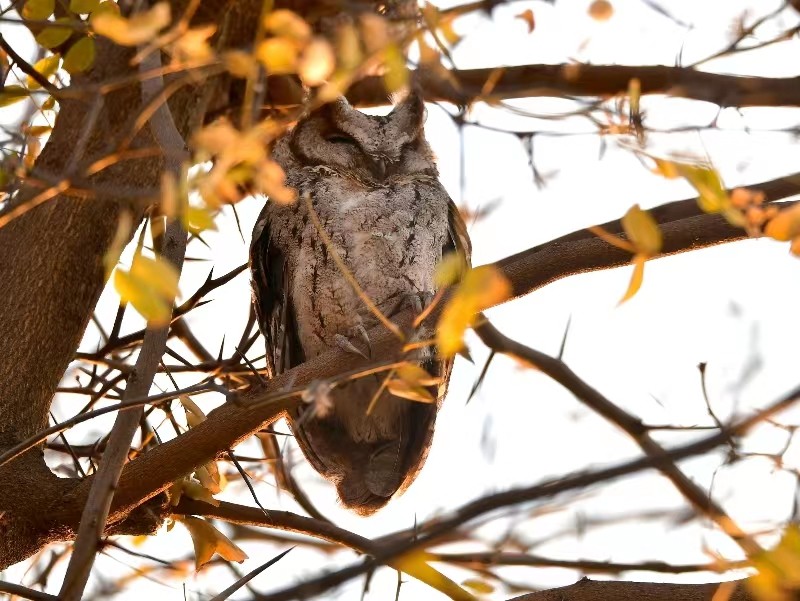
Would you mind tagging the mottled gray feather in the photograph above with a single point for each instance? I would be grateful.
(374, 185)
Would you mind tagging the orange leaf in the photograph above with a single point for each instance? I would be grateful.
(601, 10)
(406, 390)
(140, 28)
(527, 16)
(208, 541)
(317, 62)
(785, 225)
(636, 278)
(481, 288)
(288, 24)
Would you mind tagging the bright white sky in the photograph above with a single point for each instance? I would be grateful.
(732, 307)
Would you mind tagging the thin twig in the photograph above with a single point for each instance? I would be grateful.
(561, 373)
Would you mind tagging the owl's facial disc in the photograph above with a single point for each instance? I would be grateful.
(371, 149)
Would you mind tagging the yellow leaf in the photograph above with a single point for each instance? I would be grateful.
(38, 130)
(208, 540)
(209, 478)
(49, 104)
(270, 179)
(159, 273)
(151, 307)
(32, 150)
(785, 225)
(636, 278)
(217, 137)
(334, 88)
(415, 374)
(285, 23)
(12, 94)
(481, 288)
(150, 286)
(80, 56)
(450, 270)
(406, 390)
(38, 10)
(479, 586)
(447, 31)
(198, 219)
(193, 44)
(778, 576)
(121, 237)
(601, 10)
(83, 6)
(667, 169)
(170, 203)
(642, 231)
(107, 6)
(278, 55)
(415, 564)
(140, 28)
(194, 490)
(50, 37)
(175, 492)
(527, 16)
(46, 67)
(317, 62)
(194, 415)
(348, 47)
(428, 55)
(374, 32)
(240, 63)
(396, 76)
(634, 95)
(713, 196)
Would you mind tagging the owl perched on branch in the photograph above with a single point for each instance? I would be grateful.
(373, 185)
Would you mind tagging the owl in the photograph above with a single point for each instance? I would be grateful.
(373, 184)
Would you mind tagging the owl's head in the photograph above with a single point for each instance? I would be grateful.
(372, 149)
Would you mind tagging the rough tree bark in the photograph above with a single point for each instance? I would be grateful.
(52, 270)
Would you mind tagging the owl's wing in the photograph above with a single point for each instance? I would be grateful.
(270, 281)
(457, 233)
(423, 416)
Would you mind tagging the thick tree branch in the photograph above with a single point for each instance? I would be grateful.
(488, 559)
(592, 590)
(595, 81)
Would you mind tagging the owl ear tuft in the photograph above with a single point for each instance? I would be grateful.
(409, 111)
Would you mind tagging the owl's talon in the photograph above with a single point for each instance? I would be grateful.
(343, 343)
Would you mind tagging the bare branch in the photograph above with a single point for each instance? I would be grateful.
(579, 80)
(591, 590)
